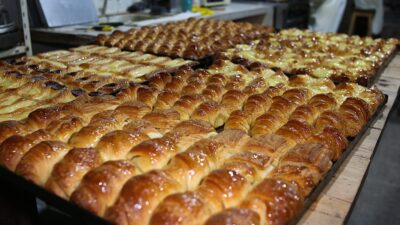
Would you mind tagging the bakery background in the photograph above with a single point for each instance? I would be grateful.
(37, 26)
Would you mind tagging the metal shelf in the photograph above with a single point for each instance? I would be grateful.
(25, 47)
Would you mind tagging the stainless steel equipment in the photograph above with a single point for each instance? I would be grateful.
(66, 12)
(209, 3)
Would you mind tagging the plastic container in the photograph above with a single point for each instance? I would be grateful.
(186, 5)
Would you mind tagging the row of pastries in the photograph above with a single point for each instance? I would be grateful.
(340, 57)
(223, 145)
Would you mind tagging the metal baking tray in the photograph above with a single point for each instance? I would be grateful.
(86, 217)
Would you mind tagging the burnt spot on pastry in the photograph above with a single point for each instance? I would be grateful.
(94, 94)
(82, 79)
(38, 77)
(54, 85)
(14, 73)
(33, 67)
(56, 71)
(77, 92)
(71, 74)
(43, 70)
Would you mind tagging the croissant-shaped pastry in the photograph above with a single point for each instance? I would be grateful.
(256, 105)
(135, 194)
(132, 109)
(14, 147)
(303, 177)
(267, 123)
(333, 139)
(67, 173)
(160, 80)
(63, 128)
(313, 155)
(233, 216)
(217, 79)
(37, 163)
(40, 118)
(100, 187)
(155, 153)
(116, 144)
(235, 83)
(147, 95)
(275, 201)
(211, 112)
(10, 128)
(214, 92)
(232, 100)
(295, 131)
(166, 99)
(204, 156)
(90, 135)
(163, 120)
(330, 119)
(256, 86)
(355, 112)
(238, 120)
(177, 82)
(144, 127)
(187, 104)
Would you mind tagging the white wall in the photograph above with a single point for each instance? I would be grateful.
(113, 6)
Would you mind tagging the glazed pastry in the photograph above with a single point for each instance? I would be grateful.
(67, 174)
(338, 57)
(102, 184)
(189, 39)
(37, 164)
(157, 184)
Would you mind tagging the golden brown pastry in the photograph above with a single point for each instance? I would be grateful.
(275, 201)
(356, 114)
(37, 164)
(116, 144)
(67, 174)
(100, 187)
(187, 104)
(187, 38)
(233, 216)
(14, 148)
(155, 185)
(224, 187)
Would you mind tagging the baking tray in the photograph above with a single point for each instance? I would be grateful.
(364, 82)
(382, 68)
(87, 217)
(336, 165)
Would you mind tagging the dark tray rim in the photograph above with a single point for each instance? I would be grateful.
(87, 217)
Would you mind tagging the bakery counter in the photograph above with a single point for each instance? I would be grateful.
(83, 34)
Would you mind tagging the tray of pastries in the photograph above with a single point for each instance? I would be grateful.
(193, 39)
(20, 95)
(95, 65)
(219, 146)
(339, 57)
